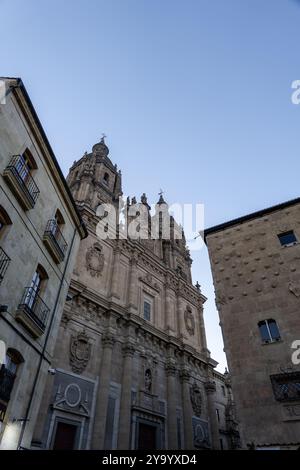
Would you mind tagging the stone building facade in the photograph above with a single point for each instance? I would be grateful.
(132, 366)
(40, 231)
(255, 263)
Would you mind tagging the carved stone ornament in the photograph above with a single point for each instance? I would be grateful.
(148, 380)
(80, 352)
(294, 289)
(189, 321)
(148, 280)
(196, 399)
(95, 260)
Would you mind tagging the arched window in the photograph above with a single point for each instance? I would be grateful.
(32, 311)
(4, 220)
(106, 178)
(19, 176)
(8, 375)
(36, 287)
(57, 227)
(13, 359)
(53, 237)
(4, 258)
(269, 331)
(25, 165)
(59, 218)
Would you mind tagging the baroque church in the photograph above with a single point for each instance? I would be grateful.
(131, 364)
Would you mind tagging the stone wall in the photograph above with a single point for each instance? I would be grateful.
(257, 279)
(22, 241)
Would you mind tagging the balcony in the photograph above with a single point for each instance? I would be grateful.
(54, 241)
(7, 379)
(4, 262)
(32, 312)
(18, 177)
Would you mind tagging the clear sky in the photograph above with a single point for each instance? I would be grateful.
(194, 96)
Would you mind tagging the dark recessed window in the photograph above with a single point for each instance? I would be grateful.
(4, 219)
(269, 330)
(147, 310)
(287, 238)
(106, 178)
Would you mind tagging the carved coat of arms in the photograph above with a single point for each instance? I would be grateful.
(95, 260)
(196, 399)
(189, 321)
(80, 352)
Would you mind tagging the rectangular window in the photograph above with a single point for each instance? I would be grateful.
(147, 310)
(23, 167)
(287, 238)
(223, 390)
(218, 415)
(269, 331)
(221, 444)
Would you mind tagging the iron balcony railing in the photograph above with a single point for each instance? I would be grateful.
(18, 167)
(54, 232)
(7, 379)
(34, 307)
(4, 262)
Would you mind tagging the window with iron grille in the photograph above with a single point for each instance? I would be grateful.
(286, 387)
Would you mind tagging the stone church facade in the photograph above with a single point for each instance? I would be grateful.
(132, 368)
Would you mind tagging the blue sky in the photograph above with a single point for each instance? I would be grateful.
(194, 96)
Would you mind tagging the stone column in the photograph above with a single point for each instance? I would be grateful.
(210, 388)
(172, 414)
(187, 410)
(125, 405)
(103, 392)
(115, 273)
(133, 286)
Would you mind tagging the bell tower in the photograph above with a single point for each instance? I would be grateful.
(94, 179)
